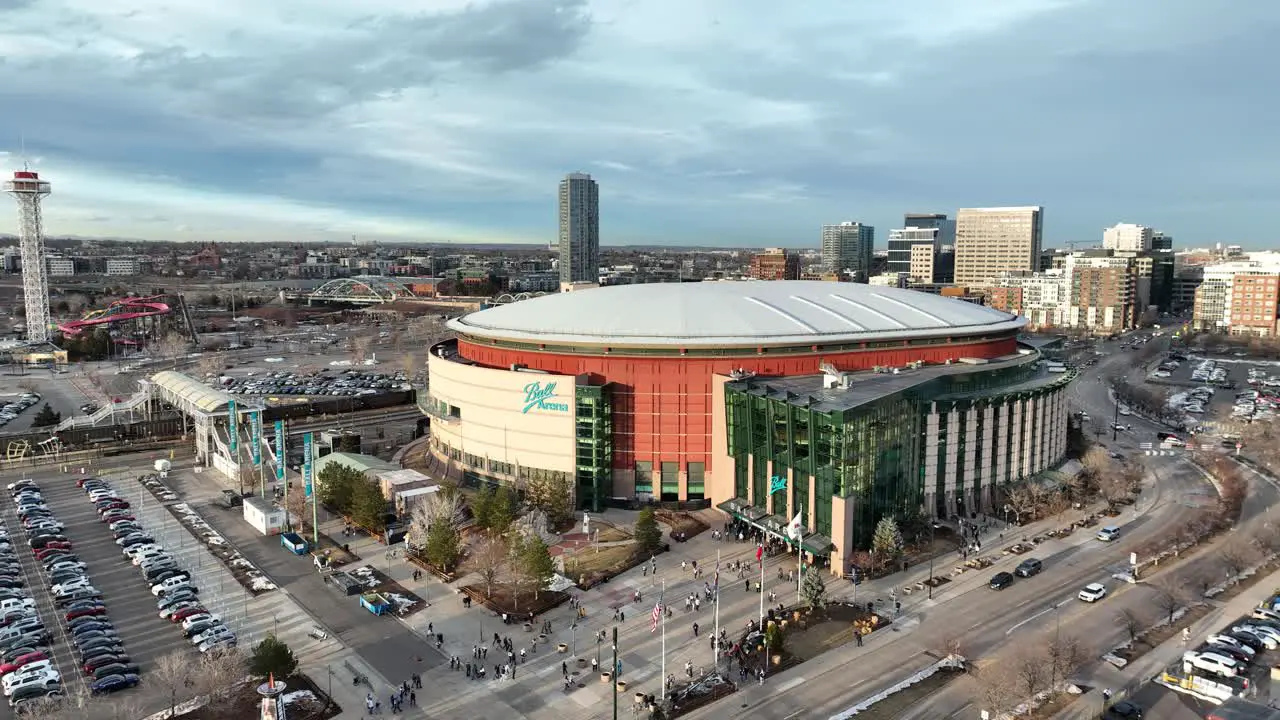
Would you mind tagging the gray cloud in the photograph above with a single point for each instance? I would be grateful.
(378, 56)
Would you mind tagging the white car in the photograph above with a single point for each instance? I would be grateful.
(136, 550)
(211, 634)
(218, 643)
(29, 669)
(170, 585)
(46, 678)
(1269, 614)
(191, 621)
(70, 586)
(1093, 592)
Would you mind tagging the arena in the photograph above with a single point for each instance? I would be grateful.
(839, 402)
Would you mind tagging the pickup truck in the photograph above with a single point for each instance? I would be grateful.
(294, 543)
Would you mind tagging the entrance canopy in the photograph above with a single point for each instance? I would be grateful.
(812, 543)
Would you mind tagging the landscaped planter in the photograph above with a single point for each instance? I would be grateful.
(562, 648)
(606, 676)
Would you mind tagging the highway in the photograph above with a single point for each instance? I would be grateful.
(993, 626)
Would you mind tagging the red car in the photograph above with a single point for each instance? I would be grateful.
(185, 613)
(21, 660)
(116, 515)
(51, 548)
(83, 612)
(113, 505)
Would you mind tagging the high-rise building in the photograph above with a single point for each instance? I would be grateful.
(848, 247)
(775, 264)
(1127, 236)
(1041, 297)
(1161, 241)
(1103, 292)
(927, 220)
(908, 247)
(579, 229)
(991, 241)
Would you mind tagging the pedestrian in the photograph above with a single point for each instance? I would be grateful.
(413, 699)
(522, 655)
(468, 671)
(760, 675)
(484, 653)
(695, 629)
(431, 629)
(857, 637)
(746, 585)
(644, 572)
(595, 665)
(564, 669)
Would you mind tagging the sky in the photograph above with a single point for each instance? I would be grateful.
(706, 122)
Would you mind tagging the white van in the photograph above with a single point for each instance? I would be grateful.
(1108, 533)
(1211, 662)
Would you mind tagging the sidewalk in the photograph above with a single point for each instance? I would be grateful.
(1140, 671)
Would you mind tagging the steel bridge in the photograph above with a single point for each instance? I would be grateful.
(508, 298)
(360, 290)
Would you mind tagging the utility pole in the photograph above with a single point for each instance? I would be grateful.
(614, 675)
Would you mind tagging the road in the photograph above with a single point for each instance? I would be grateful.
(989, 623)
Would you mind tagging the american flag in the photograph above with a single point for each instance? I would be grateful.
(656, 615)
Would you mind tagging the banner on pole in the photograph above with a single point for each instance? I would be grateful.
(280, 451)
(232, 430)
(255, 437)
(306, 463)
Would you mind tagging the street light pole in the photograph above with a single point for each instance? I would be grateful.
(614, 674)
(932, 530)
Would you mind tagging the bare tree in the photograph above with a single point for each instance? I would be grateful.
(297, 505)
(174, 675)
(29, 385)
(444, 505)
(1097, 462)
(125, 707)
(1201, 578)
(171, 346)
(1022, 501)
(1130, 622)
(1234, 558)
(1031, 667)
(948, 645)
(360, 348)
(1065, 655)
(1168, 597)
(490, 559)
(211, 363)
(1113, 487)
(998, 686)
(220, 674)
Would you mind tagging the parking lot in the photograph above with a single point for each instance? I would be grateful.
(130, 604)
(334, 382)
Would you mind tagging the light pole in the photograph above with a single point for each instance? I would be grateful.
(1057, 644)
(573, 629)
(932, 530)
(614, 675)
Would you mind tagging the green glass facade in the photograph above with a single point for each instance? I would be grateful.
(873, 452)
(594, 445)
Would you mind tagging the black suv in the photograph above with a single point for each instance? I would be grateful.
(1000, 581)
(1029, 567)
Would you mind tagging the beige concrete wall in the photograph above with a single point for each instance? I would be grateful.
(499, 419)
(718, 480)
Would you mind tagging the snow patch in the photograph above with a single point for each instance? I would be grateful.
(950, 662)
(261, 584)
(299, 696)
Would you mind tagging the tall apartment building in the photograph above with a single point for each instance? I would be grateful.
(122, 266)
(775, 264)
(1127, 236)
(928, 220)
(924, 252)
(1103, 293)
(59, 266)
(1161, 241)
(1253, 302)
(579, 229)
(848, 247)
(1041, 297)
(1237, 296)
(991, 241)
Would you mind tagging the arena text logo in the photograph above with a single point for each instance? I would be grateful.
(542, 397)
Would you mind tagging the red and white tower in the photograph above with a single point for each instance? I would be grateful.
(28, 189)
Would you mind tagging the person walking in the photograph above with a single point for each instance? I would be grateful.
(695, 629)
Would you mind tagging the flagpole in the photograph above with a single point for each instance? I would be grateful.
(715, 644)
(663, 680)
(761, 628)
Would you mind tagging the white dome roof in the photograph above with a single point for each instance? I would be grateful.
(704, 314)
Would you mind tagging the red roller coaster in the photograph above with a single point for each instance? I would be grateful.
(119, 311)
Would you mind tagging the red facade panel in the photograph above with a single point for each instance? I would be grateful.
(662, 405)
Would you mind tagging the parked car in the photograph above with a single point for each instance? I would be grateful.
(1001, 580)
(112, 683)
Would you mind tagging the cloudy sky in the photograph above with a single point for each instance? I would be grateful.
(720, 122)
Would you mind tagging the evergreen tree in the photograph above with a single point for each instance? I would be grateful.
(536, 563)
(272, 657)
(482, 505)
(502, 512)
(814, 589)
(559, 506)
(46, 417)
(648, 535)
(368, 506)
(443, 546)
(337, 483)
(887, 542)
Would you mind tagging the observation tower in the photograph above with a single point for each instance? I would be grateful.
(28, 189)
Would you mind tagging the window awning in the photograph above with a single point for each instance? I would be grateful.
(814, 544)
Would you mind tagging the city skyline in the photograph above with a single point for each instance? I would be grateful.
(170, 123)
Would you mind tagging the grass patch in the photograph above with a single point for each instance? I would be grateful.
(609, 533)
(1054, 705)
(1152, 638)
(608, 561)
